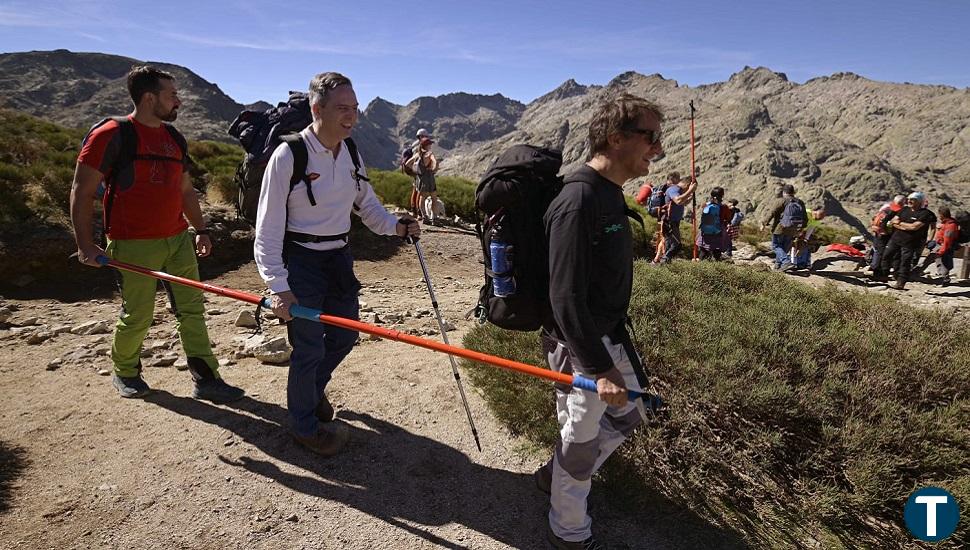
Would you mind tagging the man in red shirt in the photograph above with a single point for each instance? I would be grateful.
(144, 164)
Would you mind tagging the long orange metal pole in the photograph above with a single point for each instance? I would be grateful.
(692, 176)
(350, 324)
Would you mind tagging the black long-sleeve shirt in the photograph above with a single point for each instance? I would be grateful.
(590, 266)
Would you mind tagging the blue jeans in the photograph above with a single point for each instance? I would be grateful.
(322, 280)
(782, 247)
(672, 241)
(804, 258)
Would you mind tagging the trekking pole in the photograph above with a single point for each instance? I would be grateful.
(693, 198)
(444, 337)
(303, 312)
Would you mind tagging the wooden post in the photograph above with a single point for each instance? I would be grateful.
(965, 268)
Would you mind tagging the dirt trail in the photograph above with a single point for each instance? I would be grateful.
(83, 468)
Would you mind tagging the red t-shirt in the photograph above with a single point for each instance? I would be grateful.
(148, 202)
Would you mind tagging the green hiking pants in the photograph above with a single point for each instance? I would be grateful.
(176, 256)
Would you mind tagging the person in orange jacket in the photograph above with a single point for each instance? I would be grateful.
(943, 246)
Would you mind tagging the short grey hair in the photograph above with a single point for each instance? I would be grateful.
(321, 85)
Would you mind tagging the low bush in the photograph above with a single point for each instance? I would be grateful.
(215, 167)
(797, 417)
(37, 161)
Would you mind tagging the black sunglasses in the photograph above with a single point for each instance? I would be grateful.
(653, 136)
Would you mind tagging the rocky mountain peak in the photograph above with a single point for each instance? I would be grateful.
(759, 77)
(569, 88)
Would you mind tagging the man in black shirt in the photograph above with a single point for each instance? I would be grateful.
(590, 282)
(910, 228)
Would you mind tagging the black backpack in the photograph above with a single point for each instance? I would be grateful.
(514, 194)
(657, 201)
(793, 216)
(406, 153)
(260, 133)
(128, 154)
(962, 218)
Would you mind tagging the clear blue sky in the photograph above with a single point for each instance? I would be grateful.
(404, 49)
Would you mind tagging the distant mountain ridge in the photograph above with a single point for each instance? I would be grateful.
(845, 141)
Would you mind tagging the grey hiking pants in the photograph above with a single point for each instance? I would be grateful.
(589, 432)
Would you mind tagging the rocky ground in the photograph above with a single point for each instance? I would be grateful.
(82, 468)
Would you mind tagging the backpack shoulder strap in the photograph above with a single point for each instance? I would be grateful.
(179, 139)
(129, 144)
(126, 157)
(300, 160)
(355, 158)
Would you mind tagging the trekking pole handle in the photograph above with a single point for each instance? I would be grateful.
(588, 384)
(407, 238)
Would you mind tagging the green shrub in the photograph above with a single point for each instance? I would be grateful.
(37, 161)
(215, 167)
(797, 416)
(391, 186)
(394, 187)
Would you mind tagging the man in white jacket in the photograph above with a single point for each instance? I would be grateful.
(302, 254)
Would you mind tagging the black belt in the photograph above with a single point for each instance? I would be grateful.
(293, 236)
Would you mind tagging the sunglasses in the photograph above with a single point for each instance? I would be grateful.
(653, 136)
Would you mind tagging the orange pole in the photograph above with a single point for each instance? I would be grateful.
(692, 176)
(350, 324)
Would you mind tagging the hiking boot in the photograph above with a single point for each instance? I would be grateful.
(327, 441)
(324, 410)
(786, 268)
(130, 387)
(217, 391)
(560, 544)
(899, 285)
(543, 478)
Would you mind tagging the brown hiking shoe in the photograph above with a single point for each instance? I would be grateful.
(899, 285)
(324, 410)
(327, 441)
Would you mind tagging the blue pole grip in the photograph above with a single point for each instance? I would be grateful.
(589, 385)
(296, 310)
(103, 260)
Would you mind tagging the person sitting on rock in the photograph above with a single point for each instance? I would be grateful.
(943, 246)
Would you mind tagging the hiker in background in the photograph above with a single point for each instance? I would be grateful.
(643, 195)
(407, 166)
(786, 220)
(910, 228)
(881, 230)
(589, 288)
(710, 238)
(733, 228)
(302, 253)
(943, 246)
(144, 163)
(802, 257)
(675, 199)
(425, 165)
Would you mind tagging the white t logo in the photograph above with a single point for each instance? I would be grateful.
(931, 502)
